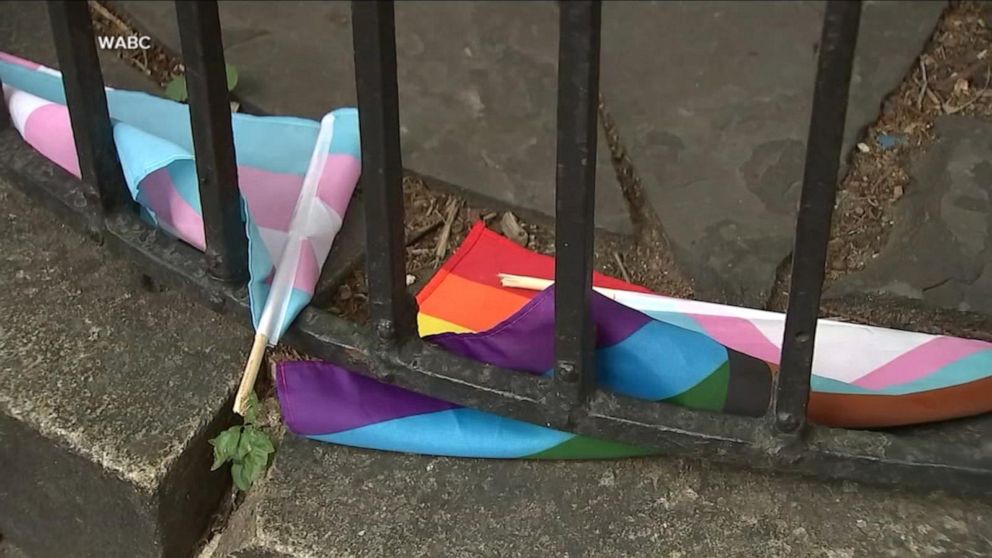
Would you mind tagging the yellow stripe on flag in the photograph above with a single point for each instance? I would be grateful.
(429, 325)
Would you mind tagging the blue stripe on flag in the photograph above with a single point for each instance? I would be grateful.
(659, 361)
(454, 432)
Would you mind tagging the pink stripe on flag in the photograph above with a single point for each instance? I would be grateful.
(271, 196)
(921, 361)
(338, 181)
(19, 61)
(308, 272)
(47, 129)
(739, 334)
(158, 191)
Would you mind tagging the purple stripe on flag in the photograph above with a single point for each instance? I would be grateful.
(306, 388)
(525, 340)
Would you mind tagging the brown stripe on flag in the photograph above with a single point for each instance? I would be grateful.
(749, 387)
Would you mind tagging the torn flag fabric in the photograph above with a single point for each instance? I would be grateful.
(709, 357)
(155, 146)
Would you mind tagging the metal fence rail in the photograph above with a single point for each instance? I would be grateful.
(390, 349)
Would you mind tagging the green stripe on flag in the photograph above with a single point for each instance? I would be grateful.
(583, 447)
(709, 394)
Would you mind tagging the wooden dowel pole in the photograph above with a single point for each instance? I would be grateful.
(250, 374)
(538, 284)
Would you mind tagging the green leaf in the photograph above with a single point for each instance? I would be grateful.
(232, 77)
(176, 89)
(238, 476)
(251, 409)
(254, 465)
(225, 446)
(258, 440)
(244, 448)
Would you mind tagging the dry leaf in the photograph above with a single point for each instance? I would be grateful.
(512, 229)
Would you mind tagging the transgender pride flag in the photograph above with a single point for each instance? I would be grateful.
(155, 145)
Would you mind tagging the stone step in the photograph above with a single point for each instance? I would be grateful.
(325, 500)
(108, 395)
(108, 392)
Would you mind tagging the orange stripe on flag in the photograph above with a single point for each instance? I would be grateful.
(469, 304)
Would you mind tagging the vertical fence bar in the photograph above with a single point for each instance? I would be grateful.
(87, 103)
(213, 140)
(823, 151)
(4, 117)
(391, 308)
(575, 185)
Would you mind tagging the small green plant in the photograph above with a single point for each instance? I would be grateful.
(246, 446)
(176, 89)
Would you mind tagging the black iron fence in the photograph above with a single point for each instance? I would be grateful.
(390, 351)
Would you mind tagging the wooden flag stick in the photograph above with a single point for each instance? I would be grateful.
(538, 284)
(250, 374)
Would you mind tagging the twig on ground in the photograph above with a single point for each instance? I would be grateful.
(923, 86)
(948, 109)
(623, 270)
(966, 73)
(416, 235)
(123, 26)
(442, 241)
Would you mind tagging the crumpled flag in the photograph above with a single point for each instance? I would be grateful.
(155, 146)
(712, 357)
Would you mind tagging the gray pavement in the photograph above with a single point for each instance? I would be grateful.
(711, 100)
(323, 500)
(940, 249)
(25, 31)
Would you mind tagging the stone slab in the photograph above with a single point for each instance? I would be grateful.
(940, 247)
(324, 500)
(713, 99)
(108, 395)
(477, 101)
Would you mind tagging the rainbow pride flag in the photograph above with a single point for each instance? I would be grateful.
(690, 353)
(155, 146)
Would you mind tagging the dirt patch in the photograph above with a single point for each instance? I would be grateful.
(951, 77)
(436, 223)
(156, 62)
